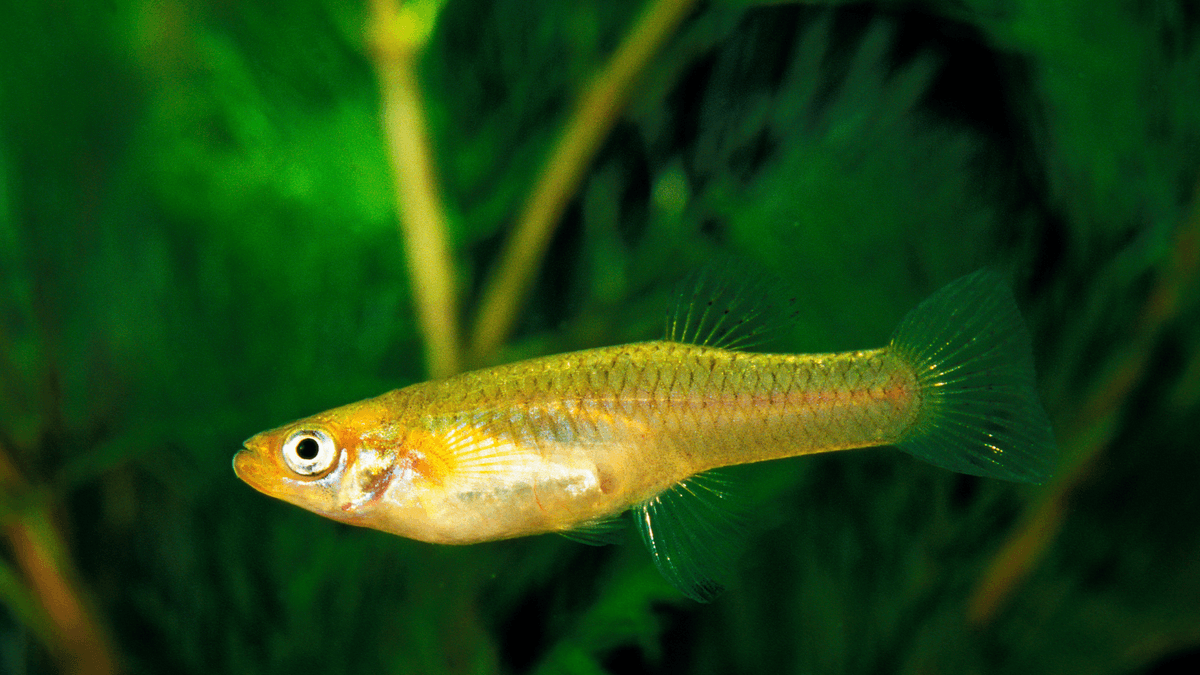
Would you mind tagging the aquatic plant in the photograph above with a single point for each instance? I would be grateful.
(216, 218)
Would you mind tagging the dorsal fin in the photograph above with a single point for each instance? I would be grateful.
(721, 309)
(693, 534)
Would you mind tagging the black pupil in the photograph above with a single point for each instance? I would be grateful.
(308, 448)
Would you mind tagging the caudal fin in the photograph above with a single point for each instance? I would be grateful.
(980, 412)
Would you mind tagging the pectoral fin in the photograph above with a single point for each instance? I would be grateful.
(693, 534)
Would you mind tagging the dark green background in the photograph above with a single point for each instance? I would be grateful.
(198, 242)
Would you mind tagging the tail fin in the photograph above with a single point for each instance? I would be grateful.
(980, 412)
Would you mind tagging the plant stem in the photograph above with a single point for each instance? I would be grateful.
(595, 114)
(39, 551)
(1095, 425)
(422, 219)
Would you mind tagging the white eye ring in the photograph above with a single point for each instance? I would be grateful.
(309, 451)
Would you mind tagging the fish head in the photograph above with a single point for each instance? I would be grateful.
(340, 464)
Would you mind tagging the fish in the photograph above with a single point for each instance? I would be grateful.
(569, 443)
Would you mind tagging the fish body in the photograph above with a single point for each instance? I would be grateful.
(561, 443)
(547, 444)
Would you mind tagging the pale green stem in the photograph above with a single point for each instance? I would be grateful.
(61, 616)
(1094, 426)
(422, 219)
(595, 114)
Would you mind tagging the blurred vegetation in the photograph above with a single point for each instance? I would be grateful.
(200, 238)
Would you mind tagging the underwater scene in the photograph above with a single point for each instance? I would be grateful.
(656, 336)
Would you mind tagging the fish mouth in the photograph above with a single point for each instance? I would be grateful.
(240, 458)
(247, 467)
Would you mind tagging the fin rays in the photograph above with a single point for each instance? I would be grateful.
(972, 356)
(474, 448)
(724, 314)
(599, 532)
(692, 534)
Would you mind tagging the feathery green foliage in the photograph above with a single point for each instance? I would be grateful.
(198, 241)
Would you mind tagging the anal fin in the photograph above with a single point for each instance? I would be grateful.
(693, 534)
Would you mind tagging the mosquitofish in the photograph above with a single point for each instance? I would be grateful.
(567, 443)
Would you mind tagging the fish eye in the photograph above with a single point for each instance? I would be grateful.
(309, 451)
